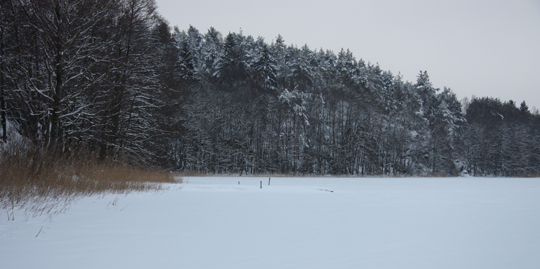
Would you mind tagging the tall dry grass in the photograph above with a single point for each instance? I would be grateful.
(40, 182)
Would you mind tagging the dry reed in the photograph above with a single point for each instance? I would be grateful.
(40, 182)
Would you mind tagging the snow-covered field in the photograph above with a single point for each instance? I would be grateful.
(214, 222)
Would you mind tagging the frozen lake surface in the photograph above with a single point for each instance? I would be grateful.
(214, 222)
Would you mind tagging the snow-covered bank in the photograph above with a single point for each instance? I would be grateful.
(293, 223)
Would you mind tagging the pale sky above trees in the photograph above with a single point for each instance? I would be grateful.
(481, 48)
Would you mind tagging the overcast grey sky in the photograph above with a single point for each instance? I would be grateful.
(481, 48)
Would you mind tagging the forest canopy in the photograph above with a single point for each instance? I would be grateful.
(112, 77)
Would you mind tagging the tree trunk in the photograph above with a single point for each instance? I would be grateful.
(2, 92)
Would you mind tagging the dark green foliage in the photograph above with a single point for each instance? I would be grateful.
(502, 138)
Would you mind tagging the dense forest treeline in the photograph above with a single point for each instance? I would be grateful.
(111, 77)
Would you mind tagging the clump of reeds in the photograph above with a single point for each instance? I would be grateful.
(42, 182)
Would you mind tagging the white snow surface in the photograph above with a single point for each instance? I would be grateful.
(212, 222)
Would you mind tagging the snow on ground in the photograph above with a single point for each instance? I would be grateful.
(214, 222)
